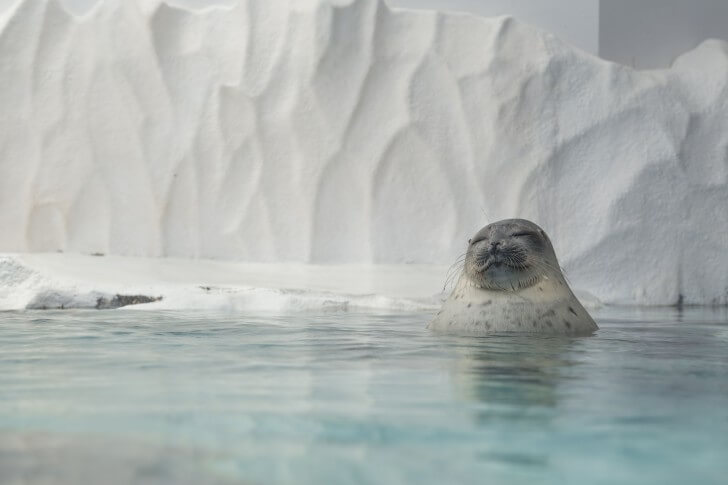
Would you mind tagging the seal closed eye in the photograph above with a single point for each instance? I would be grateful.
(511, 267)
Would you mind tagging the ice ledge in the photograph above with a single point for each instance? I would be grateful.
(66, 281)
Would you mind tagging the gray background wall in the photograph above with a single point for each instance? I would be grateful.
(652, 33)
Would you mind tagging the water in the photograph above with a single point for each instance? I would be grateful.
(165, 397)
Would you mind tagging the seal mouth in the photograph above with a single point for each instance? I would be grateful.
(489, 265)
(499, 264)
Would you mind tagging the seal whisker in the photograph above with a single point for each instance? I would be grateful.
(454, 269)
(547, 266)
(451, 278)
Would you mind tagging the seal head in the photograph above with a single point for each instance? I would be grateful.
(510, 255)
(511, 282)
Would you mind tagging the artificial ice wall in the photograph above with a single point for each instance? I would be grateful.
(343, 131)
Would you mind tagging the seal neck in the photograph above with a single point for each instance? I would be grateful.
(546, 288)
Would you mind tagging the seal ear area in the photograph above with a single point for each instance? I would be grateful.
(545, 237)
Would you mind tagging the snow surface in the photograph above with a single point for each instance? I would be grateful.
(341, 131)
(64, 281)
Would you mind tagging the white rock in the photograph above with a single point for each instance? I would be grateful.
(343, 131)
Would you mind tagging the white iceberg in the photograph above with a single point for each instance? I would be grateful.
(346, 132)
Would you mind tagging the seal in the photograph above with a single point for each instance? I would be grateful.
(511, 282)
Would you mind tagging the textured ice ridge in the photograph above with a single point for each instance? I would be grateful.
(343, 131)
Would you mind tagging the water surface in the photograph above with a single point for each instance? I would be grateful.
(172, 397)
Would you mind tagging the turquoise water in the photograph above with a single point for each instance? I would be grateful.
(165, 397)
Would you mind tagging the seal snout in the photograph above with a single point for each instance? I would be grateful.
(489, 263)
(491, 256)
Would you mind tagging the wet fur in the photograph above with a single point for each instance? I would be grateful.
(511, 282)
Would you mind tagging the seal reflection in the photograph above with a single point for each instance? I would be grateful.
(512, 376)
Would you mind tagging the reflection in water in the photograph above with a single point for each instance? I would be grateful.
(514, 376)
(513, 384)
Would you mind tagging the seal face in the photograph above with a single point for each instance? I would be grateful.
(509, 255)
(511, 282)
